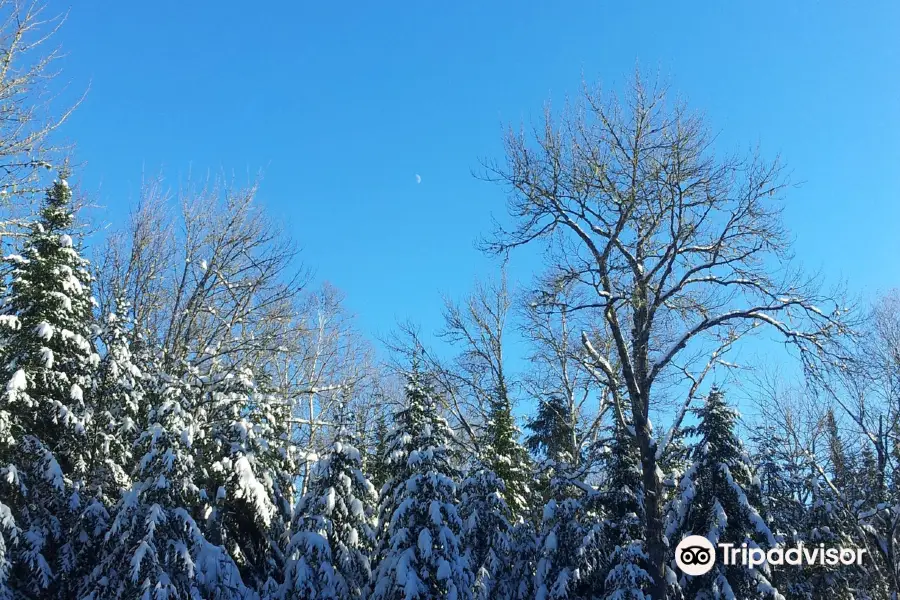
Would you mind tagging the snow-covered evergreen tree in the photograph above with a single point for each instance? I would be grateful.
(328, 557)
(496, 498)
(503, 455)
(622, 529)
(568, 543)
(569, 546)
(377, 465)
(247, 471)
(154, 547)
(116, 401)
(719, 498)
(47, 364)
(487, 534)
(419, 553)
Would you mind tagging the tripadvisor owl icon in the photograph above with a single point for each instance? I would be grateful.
(695, 555)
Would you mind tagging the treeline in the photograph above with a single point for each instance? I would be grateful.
(135, 471)
(183, 417)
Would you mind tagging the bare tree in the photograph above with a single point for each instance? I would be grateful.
(216, 279)
(208, 275)
(678, 249)
(323, 374)
(29, 113)
(478, 375)
(867, 387)
(558, 369)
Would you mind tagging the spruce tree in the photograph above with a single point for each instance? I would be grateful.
(552, 432)
(719, 498)
(376, 462)
(622, 532)
(419, 551)
(328, 557)
(245, 473)
(569, 546)
(487, 534)
(154, 547)
(496, 500)
(567, 543)
(47, 362)
(506, 458)
(823, 523)
(117, 400)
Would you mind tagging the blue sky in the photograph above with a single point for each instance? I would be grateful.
(342, 104)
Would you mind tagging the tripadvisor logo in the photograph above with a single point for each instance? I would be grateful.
(695, 555)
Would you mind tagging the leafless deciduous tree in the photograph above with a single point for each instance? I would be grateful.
(207, 274)
(29, 108)
(557, 369)
(679, 248)
(326, 374)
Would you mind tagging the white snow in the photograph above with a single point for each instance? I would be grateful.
(44, 330)
(18, 382)
(47, 357)
(10, 321)
(424, 543)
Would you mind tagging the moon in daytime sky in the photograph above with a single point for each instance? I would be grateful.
(418, 178)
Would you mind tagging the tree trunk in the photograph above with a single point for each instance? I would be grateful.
(653, 507)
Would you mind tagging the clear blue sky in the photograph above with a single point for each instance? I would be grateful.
(342, 104)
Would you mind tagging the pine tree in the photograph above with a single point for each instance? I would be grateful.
(622, 532)
(506, 458)
(567, 541)
(719, 498)
(551, 441)
(154, 547)
(47, 362)
(568, 546)
(376, 462)
(822, 523)
(419, 526)
(117, 399)
(552, 432)
(332, 534)
(487, 534)
(496, 499)
(245, 475)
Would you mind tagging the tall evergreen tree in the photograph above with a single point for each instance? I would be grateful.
(246, 471)
(506, 457)
(154, 547)
(568, 546)
(487, 534)
(719, 498)
(47, 362)
(376, 462)
(552, 432)
(117, 400)
(496, 500)
(622, 532)
(419, 551)
(333, 534)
